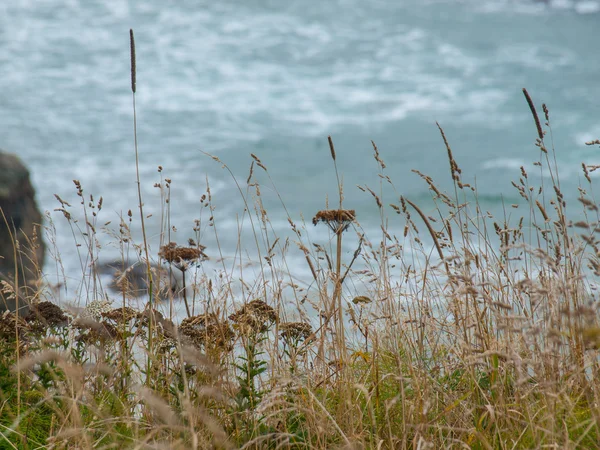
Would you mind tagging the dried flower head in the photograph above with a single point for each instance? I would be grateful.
(255, 316)
(337, 219)
(182, 257)
(44, 315)
(120, 315)
(207, 330)
(96, 308)
(295, 331)
(167, 344)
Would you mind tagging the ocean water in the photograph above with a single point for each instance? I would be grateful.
(275, 79)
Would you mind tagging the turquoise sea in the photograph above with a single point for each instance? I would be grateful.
(274, 79)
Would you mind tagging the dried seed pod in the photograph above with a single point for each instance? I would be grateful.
(182, 257)
(254, 317)
(295, 331)
(337, 219)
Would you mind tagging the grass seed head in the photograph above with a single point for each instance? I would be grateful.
(132, 55)
(534, 114)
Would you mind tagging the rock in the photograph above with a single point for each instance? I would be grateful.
(19, 209)
(132, 278)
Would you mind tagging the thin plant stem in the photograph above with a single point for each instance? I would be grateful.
(141, 203)
(187, 307)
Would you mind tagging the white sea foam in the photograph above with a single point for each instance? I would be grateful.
(232, 78)
(587, 7)
(504, 163)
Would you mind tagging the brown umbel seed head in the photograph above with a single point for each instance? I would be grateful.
(45, 315)
(181, 257)
(254, 317)
(48, 314)
(337, 219)
(295, 331)
(120, 315)
(207, 331)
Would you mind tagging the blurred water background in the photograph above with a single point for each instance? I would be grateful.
(275, 78)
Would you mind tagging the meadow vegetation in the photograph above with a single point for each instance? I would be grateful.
(464, 330)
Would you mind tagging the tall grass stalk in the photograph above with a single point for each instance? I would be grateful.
(141, 205)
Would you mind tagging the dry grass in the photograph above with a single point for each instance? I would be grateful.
(461, 331)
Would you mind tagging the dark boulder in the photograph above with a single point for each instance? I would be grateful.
(20, 222)
(132, 278)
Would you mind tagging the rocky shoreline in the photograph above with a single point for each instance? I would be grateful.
(22, 248)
